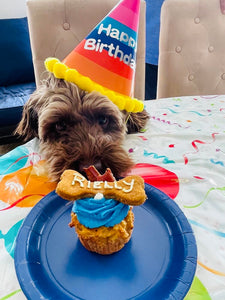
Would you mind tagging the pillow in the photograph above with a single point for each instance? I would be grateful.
(16, 60)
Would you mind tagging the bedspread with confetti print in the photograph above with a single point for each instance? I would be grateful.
(181, 152)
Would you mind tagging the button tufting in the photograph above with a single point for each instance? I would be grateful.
(197, 20)
(211, 48)
(66, 26)
(223, 76)
(178, 49)
(191, 77)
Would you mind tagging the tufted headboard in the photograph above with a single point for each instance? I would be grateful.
(57, 26)
(192, 48)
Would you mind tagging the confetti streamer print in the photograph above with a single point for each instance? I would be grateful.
(11, 294)
(194, 145)
(210, 190)
(216, 232)
(222, 189)
(210, 269)
(190, 111)
(217, 162)
(166, 160)
(168, 122)
(23, 198)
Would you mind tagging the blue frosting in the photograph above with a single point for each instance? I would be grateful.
(94, 213)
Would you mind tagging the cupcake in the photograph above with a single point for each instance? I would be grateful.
(102, 211)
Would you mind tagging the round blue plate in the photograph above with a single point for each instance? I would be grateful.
(159, 261)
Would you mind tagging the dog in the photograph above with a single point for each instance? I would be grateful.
(78, 129)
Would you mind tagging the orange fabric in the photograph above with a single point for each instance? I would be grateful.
(25, 187)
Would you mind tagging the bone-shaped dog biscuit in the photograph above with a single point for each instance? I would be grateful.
(74, 186)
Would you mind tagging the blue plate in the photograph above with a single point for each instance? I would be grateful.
(159, 261)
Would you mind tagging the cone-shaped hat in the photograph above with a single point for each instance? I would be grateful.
(105, 60)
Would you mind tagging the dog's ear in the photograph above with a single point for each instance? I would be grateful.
(137, 121)
(28, 126)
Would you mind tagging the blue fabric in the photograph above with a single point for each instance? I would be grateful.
(153, 10)
(12, 99)
(10, 116)
(15, 95)
(151, 76)
(16, 60)
(94, 213)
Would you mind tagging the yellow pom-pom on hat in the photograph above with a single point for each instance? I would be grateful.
(71, 75)
(59, 70)
(50, 62)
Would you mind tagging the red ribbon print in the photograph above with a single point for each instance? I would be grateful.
(194, 145)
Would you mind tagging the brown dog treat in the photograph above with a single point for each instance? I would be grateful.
(107, 176)
(91, 173)
(129, 190)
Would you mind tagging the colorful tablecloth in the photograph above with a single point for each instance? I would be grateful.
(182, 152)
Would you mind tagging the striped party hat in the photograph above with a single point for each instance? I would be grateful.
(105, 60)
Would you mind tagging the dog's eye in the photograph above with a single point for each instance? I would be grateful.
(60, 126)
(103, 120)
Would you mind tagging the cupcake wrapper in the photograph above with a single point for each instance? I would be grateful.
(104, 248)
(109, 243)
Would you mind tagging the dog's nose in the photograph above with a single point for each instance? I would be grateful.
(98, 165)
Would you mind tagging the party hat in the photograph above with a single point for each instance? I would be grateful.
(105, 60)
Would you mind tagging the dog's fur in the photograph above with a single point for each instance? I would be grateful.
(77, 129)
